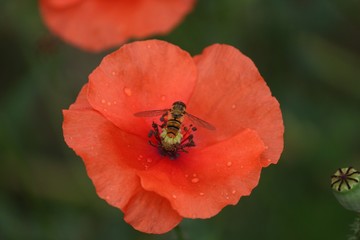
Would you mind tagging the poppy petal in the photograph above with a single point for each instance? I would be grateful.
(59, 4)
(233, 96)
(95, 25)
(85, 132)
(199, 184)
(161, 16)
(112, 164)
(111, 156)
(151, 213)
(141, 76)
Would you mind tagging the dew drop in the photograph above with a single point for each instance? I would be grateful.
(127, 91)
(229, 164)
(233, 106)
(109, 103)
(113, 73)
(186, 175)
(103, 101)
(140, 157)
(195, 180)
(201, 194)
(174, 196)
(163, 97)
(233, 191)
(241, 166)
(194, 175)
(149, 160)
(114, 102)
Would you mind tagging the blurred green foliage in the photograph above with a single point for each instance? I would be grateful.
(308, 52)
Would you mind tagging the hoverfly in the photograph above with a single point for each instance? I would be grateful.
(171, 141)
(175, 118)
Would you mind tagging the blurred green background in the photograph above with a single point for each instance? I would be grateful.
(308, 52)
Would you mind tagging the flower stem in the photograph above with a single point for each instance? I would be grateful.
(355, 229)
(179, 233)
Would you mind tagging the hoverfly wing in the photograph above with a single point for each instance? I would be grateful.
(200, 122)
(151, 113)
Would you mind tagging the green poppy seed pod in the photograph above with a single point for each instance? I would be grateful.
(345, 185)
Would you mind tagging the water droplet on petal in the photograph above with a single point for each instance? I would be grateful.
(201, 194)
(127, 91)
(186, 175)
(195, 180)
(194, 175)
(109, 103)
(103, 101)
(163, 97)
(149, 160)
(114, 102)
(241, 166)
(233, 191)
(233, 106)
(229, 164)
(113, 73)
(174, 196)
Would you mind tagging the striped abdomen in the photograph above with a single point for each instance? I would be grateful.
(173, 126)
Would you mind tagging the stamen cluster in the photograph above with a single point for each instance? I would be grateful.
(171, 147)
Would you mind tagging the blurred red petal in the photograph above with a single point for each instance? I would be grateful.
(233, 96)
(199, 184)
(59, 4)
(96, 25)
(150, 213)
(141, 76)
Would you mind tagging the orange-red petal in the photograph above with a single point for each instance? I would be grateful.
(141, 76)
(151, 213)
(59, 4)
(231, 94)
(112, 158)
(86, 132)
(199, 184)
(95, 25)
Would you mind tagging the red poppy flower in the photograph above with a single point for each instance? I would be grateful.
(221, 86)
(95, 25)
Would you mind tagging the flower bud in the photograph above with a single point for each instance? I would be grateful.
(345, 185)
